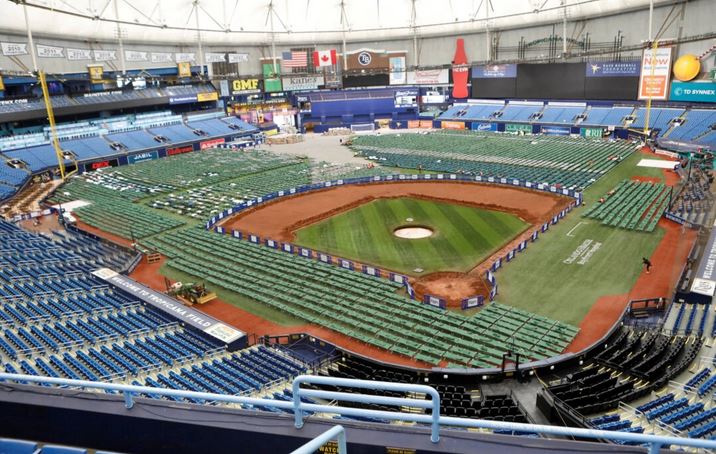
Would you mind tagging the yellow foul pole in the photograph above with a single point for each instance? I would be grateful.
(51, 119)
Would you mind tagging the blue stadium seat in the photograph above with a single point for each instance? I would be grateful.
(10, 446)
(57, 449)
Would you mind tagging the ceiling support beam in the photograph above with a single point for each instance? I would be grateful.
(29, 37)
(122, 61)
(198, 38)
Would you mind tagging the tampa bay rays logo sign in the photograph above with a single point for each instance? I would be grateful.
(364, 58)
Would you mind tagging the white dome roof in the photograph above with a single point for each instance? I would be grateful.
(236, 22)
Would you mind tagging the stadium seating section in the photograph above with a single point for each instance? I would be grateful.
(555, 160)
(51, 301)
(193, 186)
(634, 362)
(632, 205)
(361, 306)
(31, 152)
(659, 118)
(519, 112)
(455, 400)
(60, 101)
(565, 115)
(690, 318)
(684, 409)
(693, 125)
(697, 122)
(694, 200)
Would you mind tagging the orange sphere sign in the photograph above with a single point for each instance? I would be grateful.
(687, 67)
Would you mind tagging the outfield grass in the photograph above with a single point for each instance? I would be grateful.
(463, 236)
(539, 280)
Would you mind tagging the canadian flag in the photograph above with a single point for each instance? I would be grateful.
(324, 58)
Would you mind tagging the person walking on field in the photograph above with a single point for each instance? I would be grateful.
(647, 264)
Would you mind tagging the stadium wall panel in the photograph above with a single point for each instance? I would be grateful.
(554, 81)
(494, 88)
(101, 421)
(611, 88)
(374, 80)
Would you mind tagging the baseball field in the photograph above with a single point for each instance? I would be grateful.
(461, 236)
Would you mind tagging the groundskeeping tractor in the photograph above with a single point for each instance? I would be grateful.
(190, 293)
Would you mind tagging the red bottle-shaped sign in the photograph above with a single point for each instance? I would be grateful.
(460, 71)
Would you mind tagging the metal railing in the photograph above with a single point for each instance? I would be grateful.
(435, 420)
(312, 446)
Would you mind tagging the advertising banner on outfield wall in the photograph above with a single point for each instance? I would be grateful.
(592, 132)
(182, 99)
(245, 86)
(507, 71)
(179, 150)
(693, 91)
(477, 126)
(398, 75)
(192, 317)
(142, 157)
(516, 127)
(302, 83)
(655, 73)
(209, 96)
(428, 77)
(211, 143)
(555, 130)
(452, 125)
(101, 164)
(612, 69)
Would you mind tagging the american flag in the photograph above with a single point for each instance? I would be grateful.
(295, 59)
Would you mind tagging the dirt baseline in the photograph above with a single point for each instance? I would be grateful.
(279, 219)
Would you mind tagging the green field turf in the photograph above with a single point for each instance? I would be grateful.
(463, 236)
(539, 280)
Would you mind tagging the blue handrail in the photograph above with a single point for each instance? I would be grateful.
(313, 445)
(654, 442)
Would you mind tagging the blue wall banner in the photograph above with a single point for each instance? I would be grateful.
(141, 157)
(494, 71)
(613, 69)
(555, 130)
(477, 126)
(182, 99)
(435, 301)
(474, 301)
(693, 91)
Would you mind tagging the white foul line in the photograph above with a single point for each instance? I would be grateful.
(580, 223)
